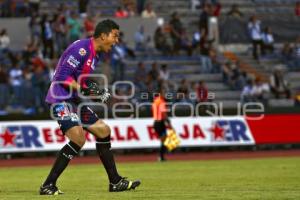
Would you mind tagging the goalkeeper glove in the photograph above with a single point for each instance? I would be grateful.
(92, 90)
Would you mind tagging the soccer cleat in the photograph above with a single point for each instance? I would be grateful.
(50, 190)
(160, 159)
(124, 185)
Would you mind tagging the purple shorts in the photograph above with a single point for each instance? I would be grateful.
(69, 114)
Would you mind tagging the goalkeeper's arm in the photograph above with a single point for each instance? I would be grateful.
(92, 90)
(73, 85)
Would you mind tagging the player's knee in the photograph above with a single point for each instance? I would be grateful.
(103, 140)
(81, 140)
(103, 131)
(78, 137)
(106, 131)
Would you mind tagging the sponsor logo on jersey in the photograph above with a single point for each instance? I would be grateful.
(91, 63)
(73, 61)
(82, 52)
(88, 62)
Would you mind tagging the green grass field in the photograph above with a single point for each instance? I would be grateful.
(274, 178)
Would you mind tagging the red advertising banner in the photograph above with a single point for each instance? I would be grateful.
(276, 129)
(30, 136)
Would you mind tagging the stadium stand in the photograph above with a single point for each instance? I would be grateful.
(226, 82)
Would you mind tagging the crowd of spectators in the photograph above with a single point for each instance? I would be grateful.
(157, 76)
(290, 55)
(18, 8)
(26, 73)
(30, 70)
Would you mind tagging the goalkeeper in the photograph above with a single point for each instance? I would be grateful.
(161, 121)
(64, 97)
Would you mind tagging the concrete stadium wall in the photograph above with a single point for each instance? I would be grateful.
(130, 26)
(19, 32)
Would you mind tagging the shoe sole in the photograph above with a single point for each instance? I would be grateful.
(54, 194)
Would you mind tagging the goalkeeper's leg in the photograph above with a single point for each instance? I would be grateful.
(103, 147)
(71, 128)
(77, 140)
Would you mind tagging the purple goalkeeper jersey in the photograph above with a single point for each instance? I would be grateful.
(79, 58)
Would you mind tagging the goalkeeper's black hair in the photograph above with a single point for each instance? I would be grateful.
(105, 26)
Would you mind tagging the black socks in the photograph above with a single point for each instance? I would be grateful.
(103, 148)
(162, 151)
(64, 156)
(71, 149)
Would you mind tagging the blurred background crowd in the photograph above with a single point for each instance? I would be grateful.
(239, 51)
